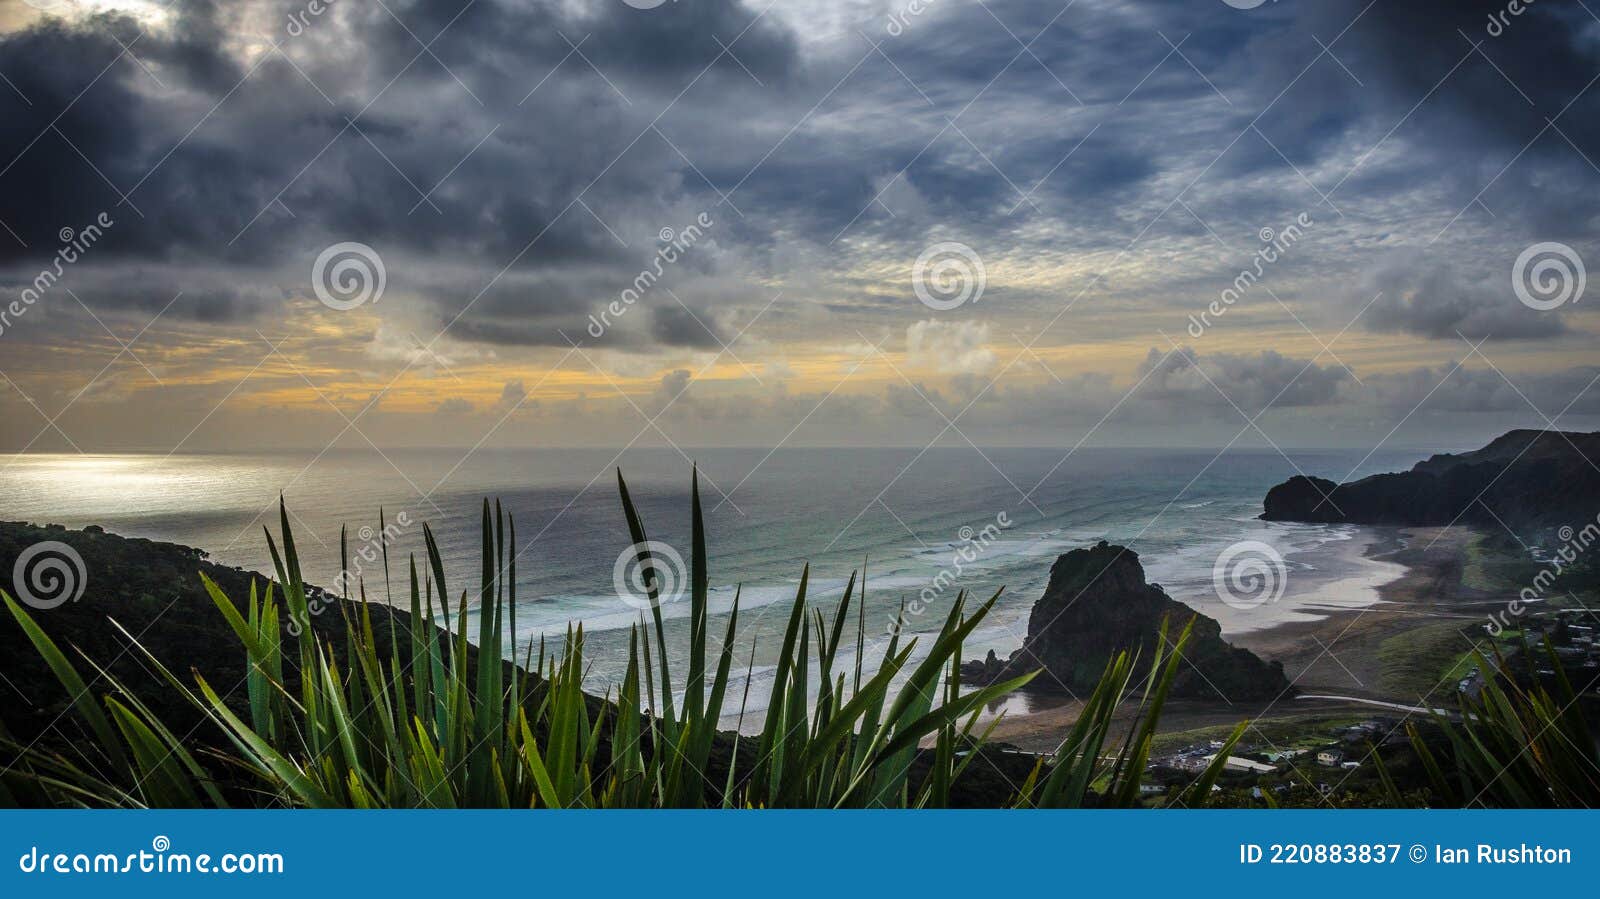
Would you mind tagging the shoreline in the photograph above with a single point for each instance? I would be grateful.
(1341, 657)
(1345, 570)
(1429, 591)
(1329, 643)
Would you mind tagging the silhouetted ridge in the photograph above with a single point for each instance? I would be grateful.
(1524, 477)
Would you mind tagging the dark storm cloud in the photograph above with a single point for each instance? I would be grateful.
(47, 186)
(470, 155)
(587, 306)
(289, 155)
(1483, 107)
(1477, 388)
(1184, 377)
(1431, 300)
(682, 327)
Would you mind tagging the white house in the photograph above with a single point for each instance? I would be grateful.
(1236, 763)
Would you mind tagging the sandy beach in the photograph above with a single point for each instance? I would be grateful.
(1327, 569)
(1376, 618)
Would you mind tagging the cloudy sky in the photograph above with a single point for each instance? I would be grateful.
(265, 223)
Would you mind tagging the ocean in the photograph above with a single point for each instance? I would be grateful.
(924, 525)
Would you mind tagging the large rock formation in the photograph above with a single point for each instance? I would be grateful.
(1531, 478)
(1096, 604)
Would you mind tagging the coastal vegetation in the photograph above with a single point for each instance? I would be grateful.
(179, 682)
(1523, 741)
(385, 709)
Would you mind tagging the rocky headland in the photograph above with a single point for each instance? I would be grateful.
(1523, 478)
(1098, 603)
